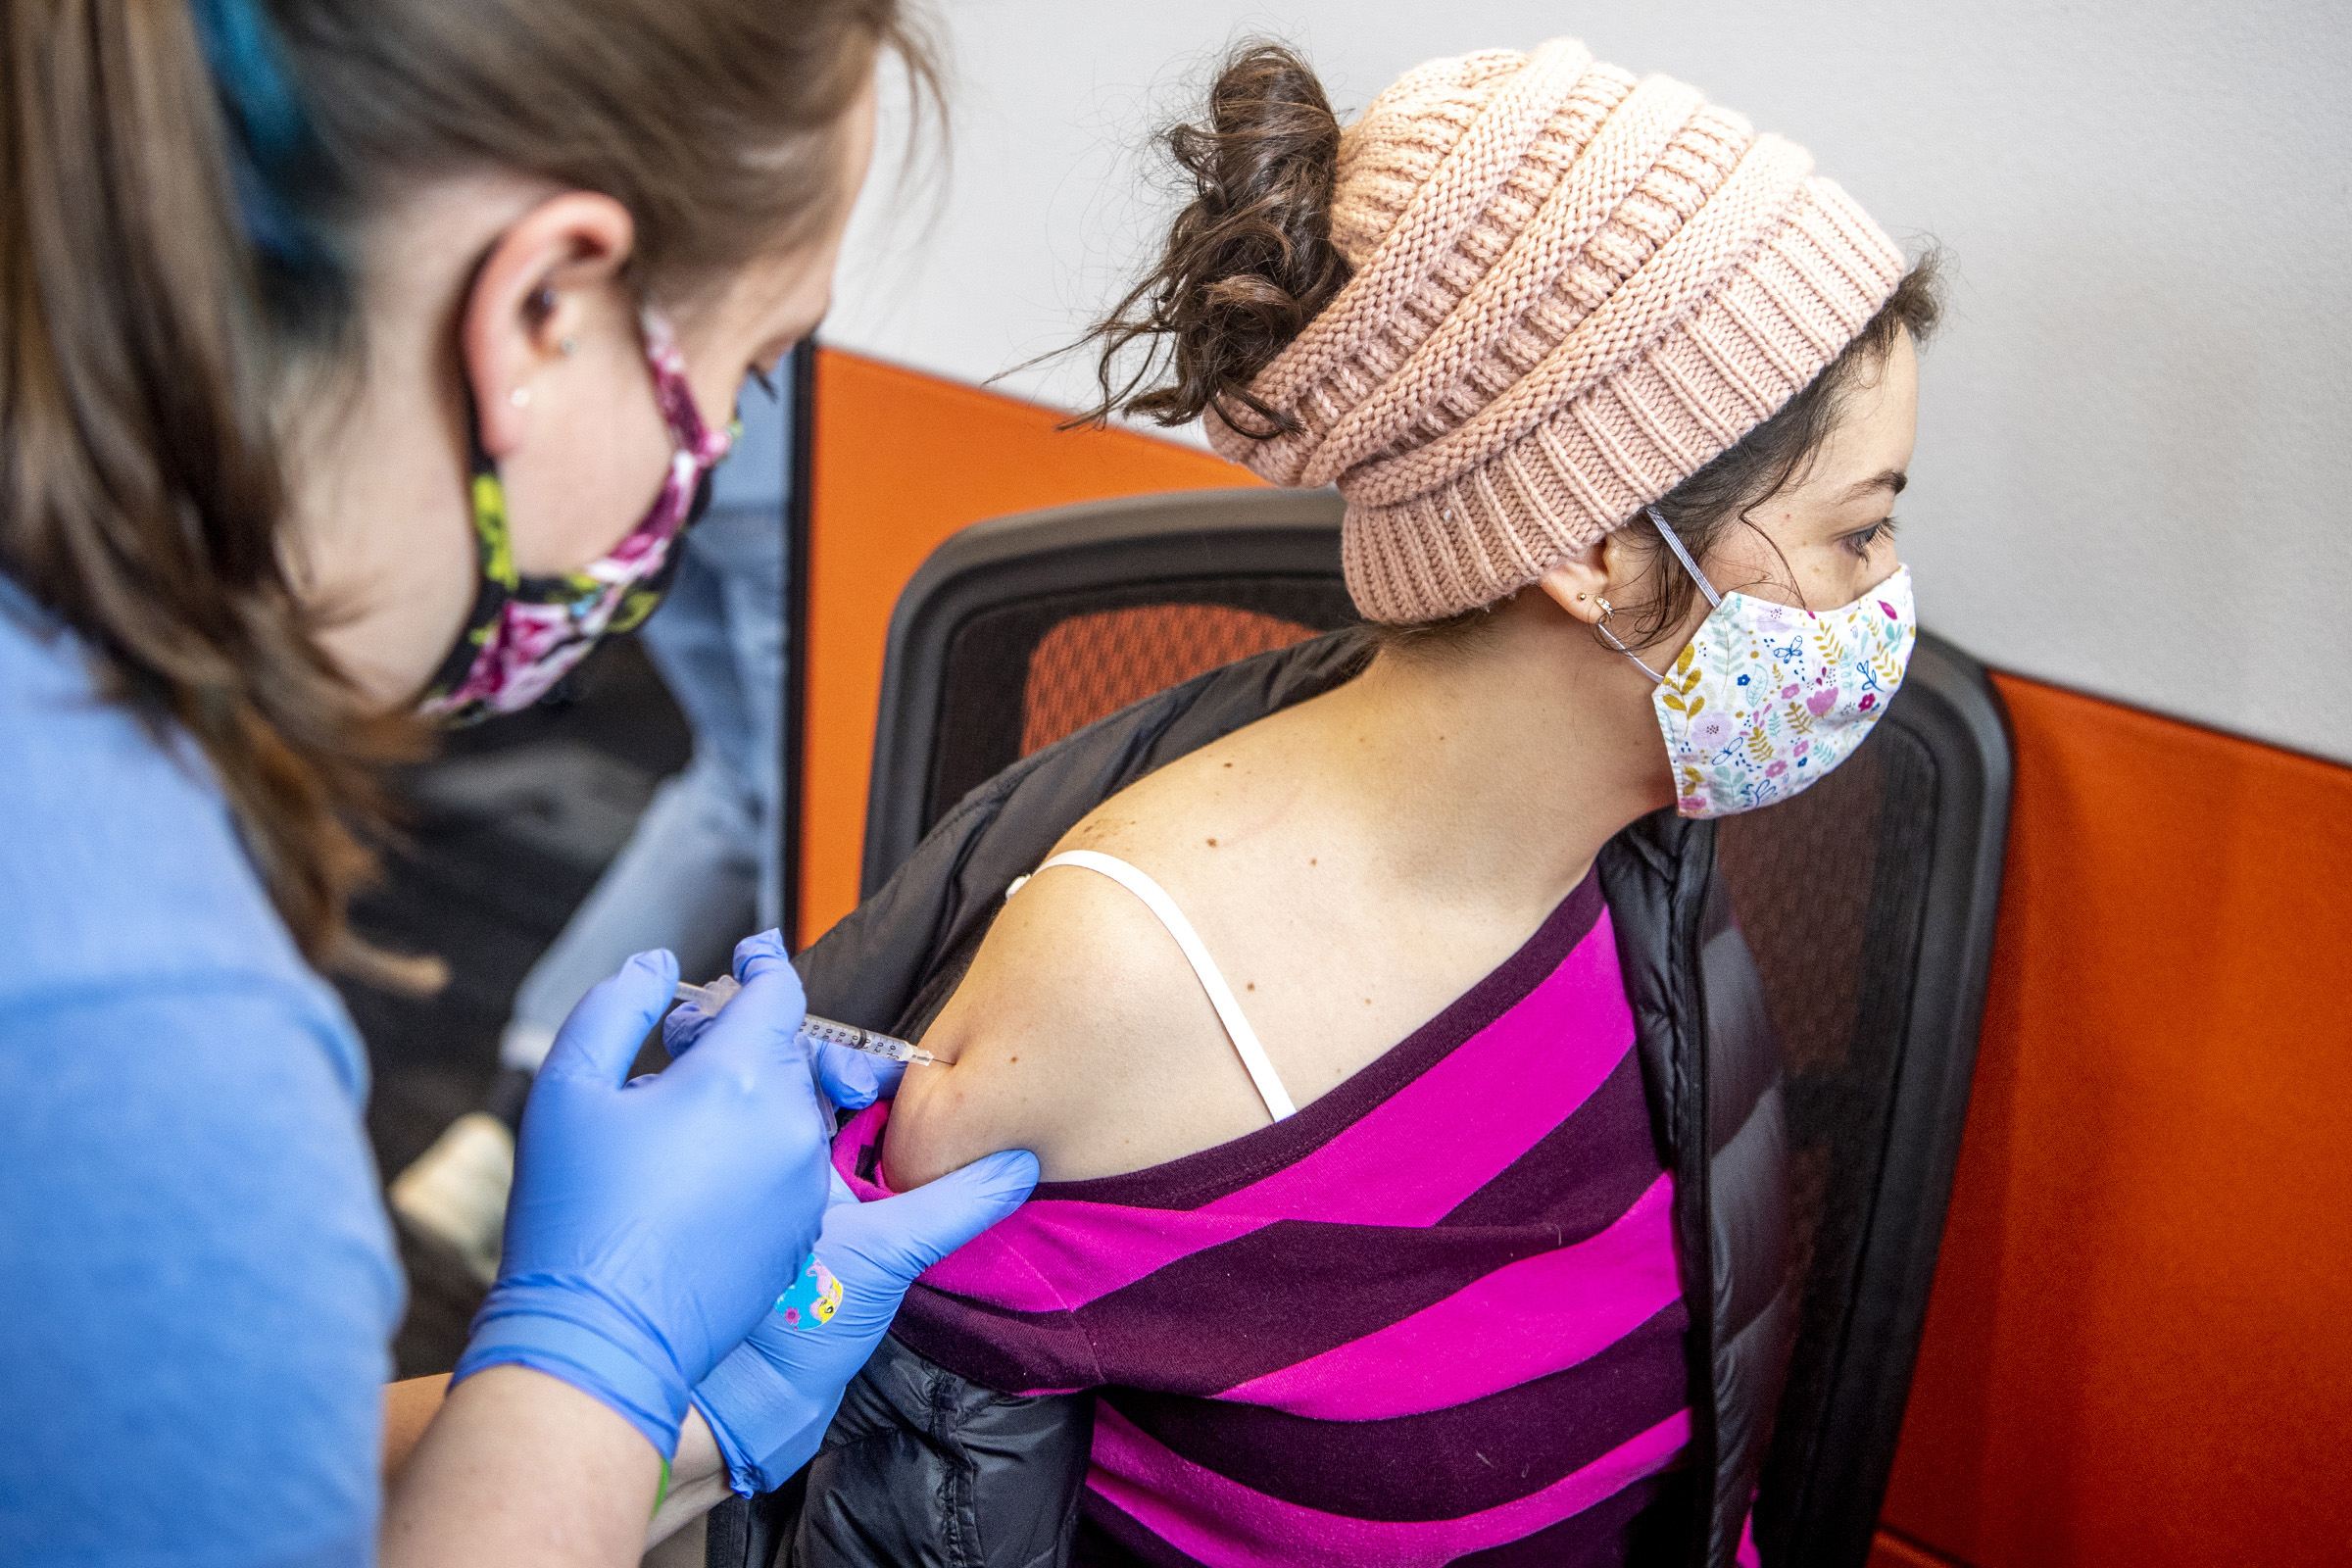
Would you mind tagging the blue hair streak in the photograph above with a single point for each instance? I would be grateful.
(272, 147)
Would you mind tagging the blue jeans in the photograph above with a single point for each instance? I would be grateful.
(704, 866)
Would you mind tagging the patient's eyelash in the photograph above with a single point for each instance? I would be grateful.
(1861, 541)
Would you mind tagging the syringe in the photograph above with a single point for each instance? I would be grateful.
(814, 1030)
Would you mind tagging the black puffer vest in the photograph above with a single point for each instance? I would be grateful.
(922, 1467)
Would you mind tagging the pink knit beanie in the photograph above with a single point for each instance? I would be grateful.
(1571, 291)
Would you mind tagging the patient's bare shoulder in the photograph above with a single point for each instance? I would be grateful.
(1080, 1033)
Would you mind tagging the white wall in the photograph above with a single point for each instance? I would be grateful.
(2135, 456)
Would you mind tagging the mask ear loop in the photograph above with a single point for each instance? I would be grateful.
(1675, 543)
(1607, 611)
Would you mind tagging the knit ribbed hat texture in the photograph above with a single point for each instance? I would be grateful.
(1571, 290)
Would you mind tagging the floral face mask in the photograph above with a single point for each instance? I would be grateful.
(523, 633)
(1767, 699)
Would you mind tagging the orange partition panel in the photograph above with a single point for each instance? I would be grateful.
(2136, 1351)
(904, 460)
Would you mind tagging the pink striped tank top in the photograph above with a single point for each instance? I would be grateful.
(1431, 1317)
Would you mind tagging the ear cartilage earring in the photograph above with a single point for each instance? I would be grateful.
(1606, 610)
(521, 397)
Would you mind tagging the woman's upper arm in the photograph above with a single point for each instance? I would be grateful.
(201, 1281)
(1064, 999)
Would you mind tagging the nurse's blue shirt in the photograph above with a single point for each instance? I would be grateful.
(197, 1283)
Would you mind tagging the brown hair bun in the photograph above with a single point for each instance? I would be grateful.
(1249, 263)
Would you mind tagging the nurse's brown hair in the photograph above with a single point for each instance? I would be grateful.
(177, 244)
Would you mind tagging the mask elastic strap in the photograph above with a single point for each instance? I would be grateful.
(1602, 627)
(1674, 542)
(688, 434)
(1714, 599)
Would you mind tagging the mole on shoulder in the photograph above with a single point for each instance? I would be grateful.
(1212, 844)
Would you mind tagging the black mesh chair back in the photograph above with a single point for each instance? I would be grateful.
(1868, 901)
(1023, 629)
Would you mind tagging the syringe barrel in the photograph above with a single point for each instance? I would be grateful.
(824, 1031)
(816, 1031)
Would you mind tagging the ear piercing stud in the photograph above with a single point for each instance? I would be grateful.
(568, 347)
(521, 397)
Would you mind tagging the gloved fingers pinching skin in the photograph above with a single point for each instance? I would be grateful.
(890, 1242)
(768, 1402)
(653, 1223)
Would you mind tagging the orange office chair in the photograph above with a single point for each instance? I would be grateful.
(1868, 902)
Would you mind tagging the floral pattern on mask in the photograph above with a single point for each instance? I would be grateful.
(526, 633)
(1767, 699)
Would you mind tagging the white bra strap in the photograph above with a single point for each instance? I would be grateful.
(1220, 995)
